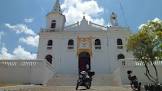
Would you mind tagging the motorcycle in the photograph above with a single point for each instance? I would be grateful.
(85, 80)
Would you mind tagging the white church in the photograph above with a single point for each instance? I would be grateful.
(64, 51)
(70, 48)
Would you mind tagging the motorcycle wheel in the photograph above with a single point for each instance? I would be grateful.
(88, 85)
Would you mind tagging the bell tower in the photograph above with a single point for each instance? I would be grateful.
(55, 19)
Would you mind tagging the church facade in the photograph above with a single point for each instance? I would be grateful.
(83, 45)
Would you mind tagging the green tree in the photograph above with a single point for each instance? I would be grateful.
(146, 46)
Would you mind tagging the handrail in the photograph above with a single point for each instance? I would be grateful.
(133, 62)
(25, 63)
(19, 62)
(47, 29)
(49, 66)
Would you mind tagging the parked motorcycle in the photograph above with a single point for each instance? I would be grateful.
(85, 79)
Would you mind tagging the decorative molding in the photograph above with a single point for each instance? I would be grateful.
(84, 44)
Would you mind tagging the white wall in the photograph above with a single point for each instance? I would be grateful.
(139, 71)
(24, 71)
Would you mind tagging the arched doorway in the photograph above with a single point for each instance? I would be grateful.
(49, 58)
(84, 61)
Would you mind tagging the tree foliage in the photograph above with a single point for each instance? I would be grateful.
(146, 46)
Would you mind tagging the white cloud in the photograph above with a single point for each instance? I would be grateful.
(74, 10)
(4, 54)
(21, 53)
(29, 20)
(20, 28)
(18, 53)
(30, 40)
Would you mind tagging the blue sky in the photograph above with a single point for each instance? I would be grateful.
(17, 16)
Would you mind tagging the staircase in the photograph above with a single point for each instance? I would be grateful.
(63, 80)
(102, 80)
(70, 80)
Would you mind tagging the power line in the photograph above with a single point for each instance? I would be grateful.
(42, 9)
(122, 10)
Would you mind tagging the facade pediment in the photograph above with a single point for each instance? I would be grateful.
(85, 25)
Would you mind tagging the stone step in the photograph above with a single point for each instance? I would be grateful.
(68, 88)
(63, 80)
(102, 80)
(70, 80)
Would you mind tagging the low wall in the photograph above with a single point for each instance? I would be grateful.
(138, 70)
(25, 71)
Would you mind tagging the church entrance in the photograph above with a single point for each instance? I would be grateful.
(84, 61)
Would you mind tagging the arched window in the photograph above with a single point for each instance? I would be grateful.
(53, 24)
(121, 56)
(97, 44)
(71, 44)
(49, 58)
(119, 44)
(49, 44)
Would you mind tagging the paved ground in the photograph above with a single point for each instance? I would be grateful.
(67, 88)
(93, 88)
